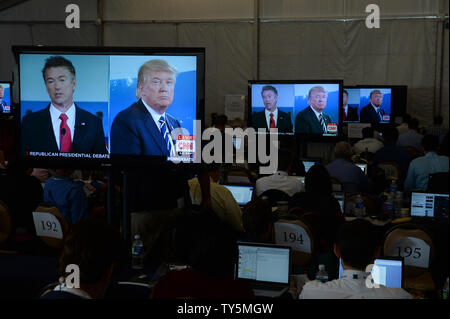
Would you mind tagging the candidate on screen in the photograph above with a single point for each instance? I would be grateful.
(66, 123)
(317, 109)
(375, 106)
(5, 98)
(151, 98)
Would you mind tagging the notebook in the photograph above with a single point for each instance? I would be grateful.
(429, 205)
(265, 266)
(386, 271)
(241, 193)
(363, 167)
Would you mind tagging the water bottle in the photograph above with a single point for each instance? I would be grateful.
(360, 210)
(398, 204)
(322, 275)
(389, 205)
(393, 187)
(445, 291)
(137, 253)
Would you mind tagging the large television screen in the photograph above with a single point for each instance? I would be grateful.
(5, 97)
(302, 108)
(373, 104)
(103, 104)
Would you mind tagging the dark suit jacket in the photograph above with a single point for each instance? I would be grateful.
(368, 114)
(352, 114)
(135, 132)
(306, 122)
(38, 135)
(284, 122)
(2, 106)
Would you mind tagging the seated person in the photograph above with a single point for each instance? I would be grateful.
(357, 248)
(412, 138)
(420, 168)
(403, 127)
(95, 247)
(258, 221)
(222, 201)
(67, 195)
(390, 152)
(342, 168)
(368, 143)
(281, 179)
(437, 129)
(212, 253)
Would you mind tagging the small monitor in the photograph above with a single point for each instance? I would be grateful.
(241, 193)
(363, 167)
(5, 97)
(429, 205)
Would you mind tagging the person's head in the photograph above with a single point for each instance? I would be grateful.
(284, 160)
(318, 180)
(257, 219)
(438, 120)
(59, 78)
(2, 91)
(376, 98)
(430, 143)
(344, 97)
(156, 84)
(94, 246)
(317, 98)
(221, 122)
(343, 150)
(413, 124)
(357, 244)
(390, 134)
(367, 132)
(270, 97)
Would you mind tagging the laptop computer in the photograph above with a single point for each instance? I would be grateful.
(363, 167)
(340, 196)
(425, 204)
(241, 193)
(300, 178)
(266, 267)
(386, 271)
(310, 162)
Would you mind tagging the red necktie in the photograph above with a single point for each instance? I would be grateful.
(344, 117)
(65, 139)
(272, 122)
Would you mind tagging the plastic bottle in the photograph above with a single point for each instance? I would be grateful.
(322, 275)
(398, 204)
(137, 253)
(445, 290)
(393, 187)
(360, 210)
(389, 205)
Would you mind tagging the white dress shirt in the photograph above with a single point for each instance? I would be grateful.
(56, 122)
(275, 116)
(376, 110)
(156, 116)
(281, 181)
(352, 285)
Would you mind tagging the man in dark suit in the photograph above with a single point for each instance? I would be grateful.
(349, 113)
(144, 128)
(62, 126)
(372, 112)
(2, 103)
(312, 120)
(272, 117)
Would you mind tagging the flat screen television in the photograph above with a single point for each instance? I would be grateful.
(363, 102)
(123, 106)
(309, 109)
(6, 100)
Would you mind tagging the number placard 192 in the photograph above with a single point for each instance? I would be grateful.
(47, 225)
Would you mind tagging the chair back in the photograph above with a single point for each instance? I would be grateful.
(50, 225)
(297, 235)
(369, 204)
(5, 222)
(275, 195)
(391, 169)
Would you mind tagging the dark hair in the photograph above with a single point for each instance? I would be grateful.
(318, 180)
(257, 217)
(93, 245)
(269, 88)
(430, 143)
(57, 61)
(390, 134)
(367, 132)
(413, 123)
(284, 159)
(357, 243)
(345, 91)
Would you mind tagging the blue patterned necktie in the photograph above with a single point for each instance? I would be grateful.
(380, 116)
(322, 122)
(165, 133)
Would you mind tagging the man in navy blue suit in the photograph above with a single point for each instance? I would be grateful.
(62, 126)
(144, 128)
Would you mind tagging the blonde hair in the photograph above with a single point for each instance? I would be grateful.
(152, 66)
(316, 88)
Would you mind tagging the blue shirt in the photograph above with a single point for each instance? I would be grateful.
(412, 139)
(68, 196)
(422, 167)
(351, 176)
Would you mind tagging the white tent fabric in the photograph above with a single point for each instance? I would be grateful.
(298, 39)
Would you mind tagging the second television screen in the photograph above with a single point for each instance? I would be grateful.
(116, 104)
(308, 109)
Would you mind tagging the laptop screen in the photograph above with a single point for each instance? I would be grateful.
(241, 193)
(340, 196)
(429, 205)
(264, 263)
(300, 178)
(363, 167)
(308, 164)
(386, 272)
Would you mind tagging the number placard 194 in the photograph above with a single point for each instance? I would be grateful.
(292, 235)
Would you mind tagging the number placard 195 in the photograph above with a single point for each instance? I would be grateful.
(415, 251)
